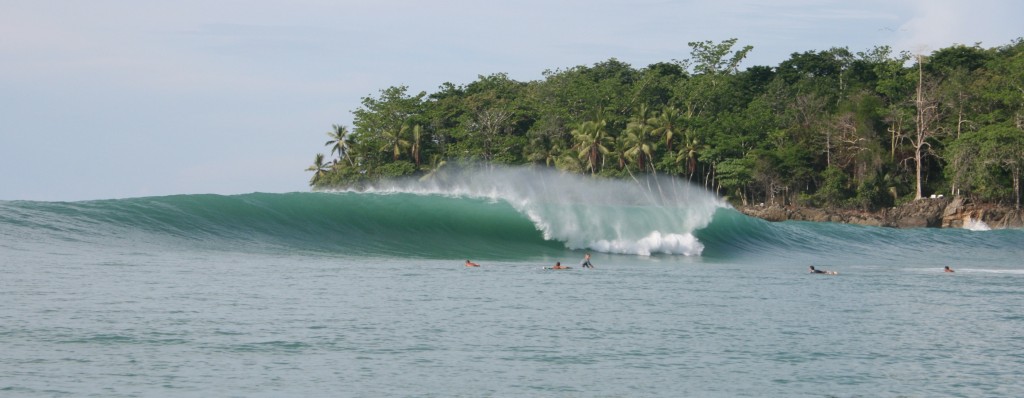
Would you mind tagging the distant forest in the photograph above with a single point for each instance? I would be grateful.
(827, 128)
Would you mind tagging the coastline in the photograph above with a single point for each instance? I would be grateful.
(922, 213)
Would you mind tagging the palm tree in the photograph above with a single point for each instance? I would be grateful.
(641, 142)
(566, 160)
(669, 124)
(618, 152)
(319, 169)
(641, 114)
(591, 140)
(436, 163)
(688, 153)
(417, 131)
(544, 148)
(395, 141)
(339, 142)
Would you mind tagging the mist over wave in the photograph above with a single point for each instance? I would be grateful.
(655, 214)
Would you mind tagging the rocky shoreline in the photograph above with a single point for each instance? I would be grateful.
(923, 213)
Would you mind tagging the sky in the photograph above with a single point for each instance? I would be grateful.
(107, 99)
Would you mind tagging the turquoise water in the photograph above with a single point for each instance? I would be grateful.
(364, 294)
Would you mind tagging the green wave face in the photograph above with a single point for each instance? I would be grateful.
(507, 214)
(492, 213)
(733, 235)
(401, 225)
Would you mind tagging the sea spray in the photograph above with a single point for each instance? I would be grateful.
(655, 214)
(973, 224)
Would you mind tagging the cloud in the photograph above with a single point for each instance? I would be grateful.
(936, 24)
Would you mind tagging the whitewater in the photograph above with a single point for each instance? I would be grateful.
(363, 293)
(658, 215)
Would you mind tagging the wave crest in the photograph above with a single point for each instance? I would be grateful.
(657, 214)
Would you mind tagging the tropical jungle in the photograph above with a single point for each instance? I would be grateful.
(830, 129)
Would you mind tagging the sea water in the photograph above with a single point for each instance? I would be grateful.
(365, 294)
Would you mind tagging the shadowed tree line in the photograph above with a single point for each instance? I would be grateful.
(827, 128)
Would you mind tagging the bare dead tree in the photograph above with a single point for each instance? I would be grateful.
(896, 120)
(849, 141)
(490, 122)
(926, 122)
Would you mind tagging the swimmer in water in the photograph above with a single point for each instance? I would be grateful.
(471, 264)
(947, 269)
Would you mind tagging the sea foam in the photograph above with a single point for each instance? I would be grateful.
(974, 224)
(655, 214)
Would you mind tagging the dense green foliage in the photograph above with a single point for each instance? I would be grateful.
(828, 128)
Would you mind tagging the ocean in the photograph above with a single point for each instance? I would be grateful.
(365, 294)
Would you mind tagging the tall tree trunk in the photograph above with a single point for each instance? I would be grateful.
(916, 162)
(1016, 186)
(921, 123)
(921, 130)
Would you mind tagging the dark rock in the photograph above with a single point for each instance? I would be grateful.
(812, 214)
(768, 213)
(953, 208)
(868, 221)
(922, 213)
(776, 213)
(912, 221)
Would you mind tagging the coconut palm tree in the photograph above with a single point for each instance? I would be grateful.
(339, 142)
(437, 162)
(544, 148)
(669, 124)
(567, 160)
(415, 147)
(640, 143)
(688, 153)
(319, 169)
(394, 141)
(618, 152)
(642, 114)
(591, 143)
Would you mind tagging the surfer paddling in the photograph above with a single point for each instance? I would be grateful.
(820, 271)
(558, 265)
(471, 264)
(947, 269)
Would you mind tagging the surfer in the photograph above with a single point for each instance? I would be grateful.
(471, 264)
(558, 265)
(947, 269)
(586, 261)
(819, 271)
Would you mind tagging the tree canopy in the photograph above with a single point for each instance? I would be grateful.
(823, 128)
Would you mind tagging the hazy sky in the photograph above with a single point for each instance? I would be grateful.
(125, 98)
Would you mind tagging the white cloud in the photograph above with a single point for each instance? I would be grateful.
(936, 24)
